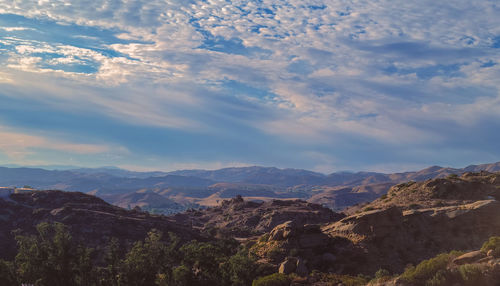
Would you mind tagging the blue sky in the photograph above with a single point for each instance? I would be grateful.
(321, 85)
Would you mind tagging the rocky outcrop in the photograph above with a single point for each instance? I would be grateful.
(468, 257)
(394, 235)
(307, 247)
(243, 219)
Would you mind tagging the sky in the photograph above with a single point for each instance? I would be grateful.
(379, 85)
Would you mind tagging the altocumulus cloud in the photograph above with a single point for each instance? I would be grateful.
(324, 84)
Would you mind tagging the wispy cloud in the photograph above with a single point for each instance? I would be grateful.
(310, 74)
(18, 145)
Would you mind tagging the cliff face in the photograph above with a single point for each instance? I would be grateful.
(416, 221)
(90, 220)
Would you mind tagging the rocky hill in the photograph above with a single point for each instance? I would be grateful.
(91, 220)
(244, 219)
(415, 221)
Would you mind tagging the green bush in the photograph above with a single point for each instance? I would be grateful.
(427, 269)
(276, 279)
(439, 279)
(381, 273)
(275, 253)
(492, 244)
(470, 274)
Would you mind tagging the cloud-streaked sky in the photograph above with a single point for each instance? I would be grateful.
(324, 85)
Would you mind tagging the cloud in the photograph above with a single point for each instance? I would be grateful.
(17, 146)
(314, 72)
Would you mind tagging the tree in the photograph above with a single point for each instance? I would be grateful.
(7, 274)
(148, 260)
(51, 258)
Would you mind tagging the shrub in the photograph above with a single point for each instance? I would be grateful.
(470, 274)
(427, 269)
(275, 253)
(492, 244)
(381, 273)
(276, 279)
(384, 196)
(439, 279)
(338, 279)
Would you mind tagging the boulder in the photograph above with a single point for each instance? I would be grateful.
(468, 257)
(283, 231)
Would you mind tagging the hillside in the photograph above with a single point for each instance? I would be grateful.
(208, 188)
(191, 187)
(90, 219)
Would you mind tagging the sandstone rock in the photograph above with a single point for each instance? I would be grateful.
(468, 257)
(288, 266)
(490, 253)
(283, 231)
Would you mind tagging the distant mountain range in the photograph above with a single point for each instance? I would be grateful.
(207, 188)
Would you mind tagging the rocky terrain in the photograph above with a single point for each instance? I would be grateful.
(415, 221)
(91, 220)
(411, 223)
(244, 219)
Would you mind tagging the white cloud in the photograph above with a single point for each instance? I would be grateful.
(373, 69)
